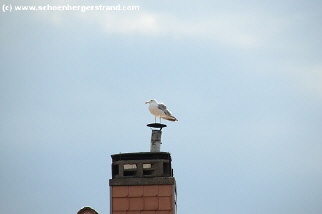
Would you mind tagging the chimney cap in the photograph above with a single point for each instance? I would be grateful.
(141, 156)
(156, 125)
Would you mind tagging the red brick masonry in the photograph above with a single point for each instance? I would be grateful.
(152, 199)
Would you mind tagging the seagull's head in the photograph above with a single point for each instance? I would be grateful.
(151, 101)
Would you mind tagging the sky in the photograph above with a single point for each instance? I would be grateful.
(244, 79)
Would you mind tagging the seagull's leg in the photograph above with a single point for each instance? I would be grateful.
(155, 119)
(160, 119)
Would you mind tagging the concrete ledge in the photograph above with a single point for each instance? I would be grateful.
(141, 156)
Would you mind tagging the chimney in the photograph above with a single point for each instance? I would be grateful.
(156, 136)
(143, 182)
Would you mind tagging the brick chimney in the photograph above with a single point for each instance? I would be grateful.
(143, 183)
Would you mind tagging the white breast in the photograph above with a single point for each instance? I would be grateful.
(155, 110)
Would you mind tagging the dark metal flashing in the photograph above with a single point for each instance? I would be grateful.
(142, 181)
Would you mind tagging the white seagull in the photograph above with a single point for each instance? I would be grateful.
(160, 110)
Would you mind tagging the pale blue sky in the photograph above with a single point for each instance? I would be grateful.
(243, 78)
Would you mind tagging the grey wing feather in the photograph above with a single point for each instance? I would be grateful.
(162, 107)
(168, 113)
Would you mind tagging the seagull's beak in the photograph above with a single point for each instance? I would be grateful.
(147, 102)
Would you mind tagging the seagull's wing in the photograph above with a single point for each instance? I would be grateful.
(161, 106)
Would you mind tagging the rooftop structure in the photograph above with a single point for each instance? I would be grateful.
(143, 182)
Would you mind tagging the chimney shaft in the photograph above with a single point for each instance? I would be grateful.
(155, 141)
(143, 182)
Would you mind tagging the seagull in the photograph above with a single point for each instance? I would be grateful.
(160, 110)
